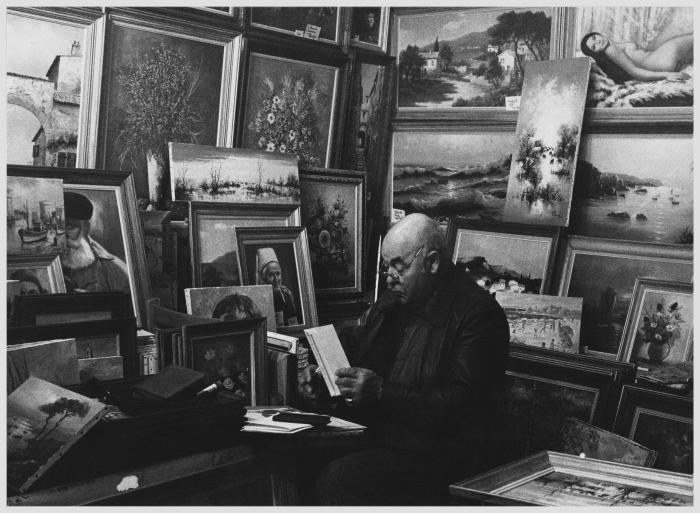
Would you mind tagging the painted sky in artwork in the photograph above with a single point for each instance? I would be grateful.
(520, 253)
(431, 149)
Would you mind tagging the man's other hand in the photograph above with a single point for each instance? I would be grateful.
(310, 383)
(359, 385)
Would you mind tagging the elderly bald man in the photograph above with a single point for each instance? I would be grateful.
(428, 367)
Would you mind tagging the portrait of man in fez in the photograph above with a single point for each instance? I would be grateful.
(88, 265)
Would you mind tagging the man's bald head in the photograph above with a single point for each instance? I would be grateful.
(413, 232)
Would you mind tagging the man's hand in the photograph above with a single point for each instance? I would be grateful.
(359, 385)
(310, 382)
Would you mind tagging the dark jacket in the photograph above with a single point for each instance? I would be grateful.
(447, 376)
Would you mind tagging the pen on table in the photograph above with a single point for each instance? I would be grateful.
(211, 388)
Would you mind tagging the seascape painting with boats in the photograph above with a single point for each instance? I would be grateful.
(446, 174)
(643, 193)
(35, 216)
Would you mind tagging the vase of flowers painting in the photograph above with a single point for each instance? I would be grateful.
(660, 329)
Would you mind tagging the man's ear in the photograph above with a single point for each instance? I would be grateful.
(433, 262)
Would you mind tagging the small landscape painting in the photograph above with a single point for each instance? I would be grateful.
(35, 216)
(547, 140)
(446, 174)
(468, 57)
(504, 261)
(233, 175)
(635, 187)
(551, 322)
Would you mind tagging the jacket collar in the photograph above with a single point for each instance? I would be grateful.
(437, 309)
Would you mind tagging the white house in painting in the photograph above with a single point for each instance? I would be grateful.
(507, 61)
(431, 60)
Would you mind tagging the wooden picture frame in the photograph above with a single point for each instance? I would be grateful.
(48, 266)
(363, 34)
(209, 348)
(113, 191)
(123, 329)
(135, 34)
(623, 119)
(659, 329)
(545, 387)
(206, 219)
(291, 249)
(293, 21)
(260, 112)
(476, 235)
(483, 17)
(550, 478)
(661, 421)
(81, 142)
(333, 203)
(52, 309)
(603, 272)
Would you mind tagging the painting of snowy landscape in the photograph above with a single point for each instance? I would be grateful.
(445, 174)
(468, 57)
(635, 187)
(547, 139)
(208, 173)
(551, 322)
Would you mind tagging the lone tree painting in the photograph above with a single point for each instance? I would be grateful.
(157, 90)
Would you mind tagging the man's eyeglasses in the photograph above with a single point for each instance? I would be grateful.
(384, 267)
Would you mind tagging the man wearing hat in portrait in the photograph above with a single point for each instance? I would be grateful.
(88, 267)
(270, 273)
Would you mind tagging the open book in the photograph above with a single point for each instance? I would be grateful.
(329, 354)
(43, 421)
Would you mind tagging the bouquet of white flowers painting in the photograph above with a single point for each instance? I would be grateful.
(286, 122)
(328, 242)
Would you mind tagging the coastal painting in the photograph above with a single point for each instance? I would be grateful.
(547, 141)
(468, 57)
(551, 322)
(635, 187)
(504, 261)
(447, 174)
(232, 175)
(35, 216)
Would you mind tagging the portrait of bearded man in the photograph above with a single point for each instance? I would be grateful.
(87, 265)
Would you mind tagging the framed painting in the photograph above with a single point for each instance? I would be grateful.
(451, 174)
(552, 322)
(501, 256)
(193, 102)
(280, 257)
(542, 389)
(290, 108)
(555, 479)
(603, 273)
(333, 213)
(542, 170)
(475, 57)
(52, 309)
(296, 20)
(232, 175)
(643, 55)
(369, 27)
(659, 327)
(52, 64)
(213, 242)
(661, 421)
(40, 274)
(160, 255)
(231, 353)
(104, 241)
(35, 216)
(637, 187)
(232, 303)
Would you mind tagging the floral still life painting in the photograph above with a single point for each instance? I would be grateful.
(551, 322)
(232, 175)
(547, 140)
(660, 326)
(290, 109)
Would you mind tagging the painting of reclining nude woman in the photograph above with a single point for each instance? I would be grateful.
(643, 55)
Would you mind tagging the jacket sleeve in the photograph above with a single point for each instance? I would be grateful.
(472, 377)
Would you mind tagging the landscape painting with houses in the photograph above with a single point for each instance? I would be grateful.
(547, 139)
(468, 58)
(208, 173)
